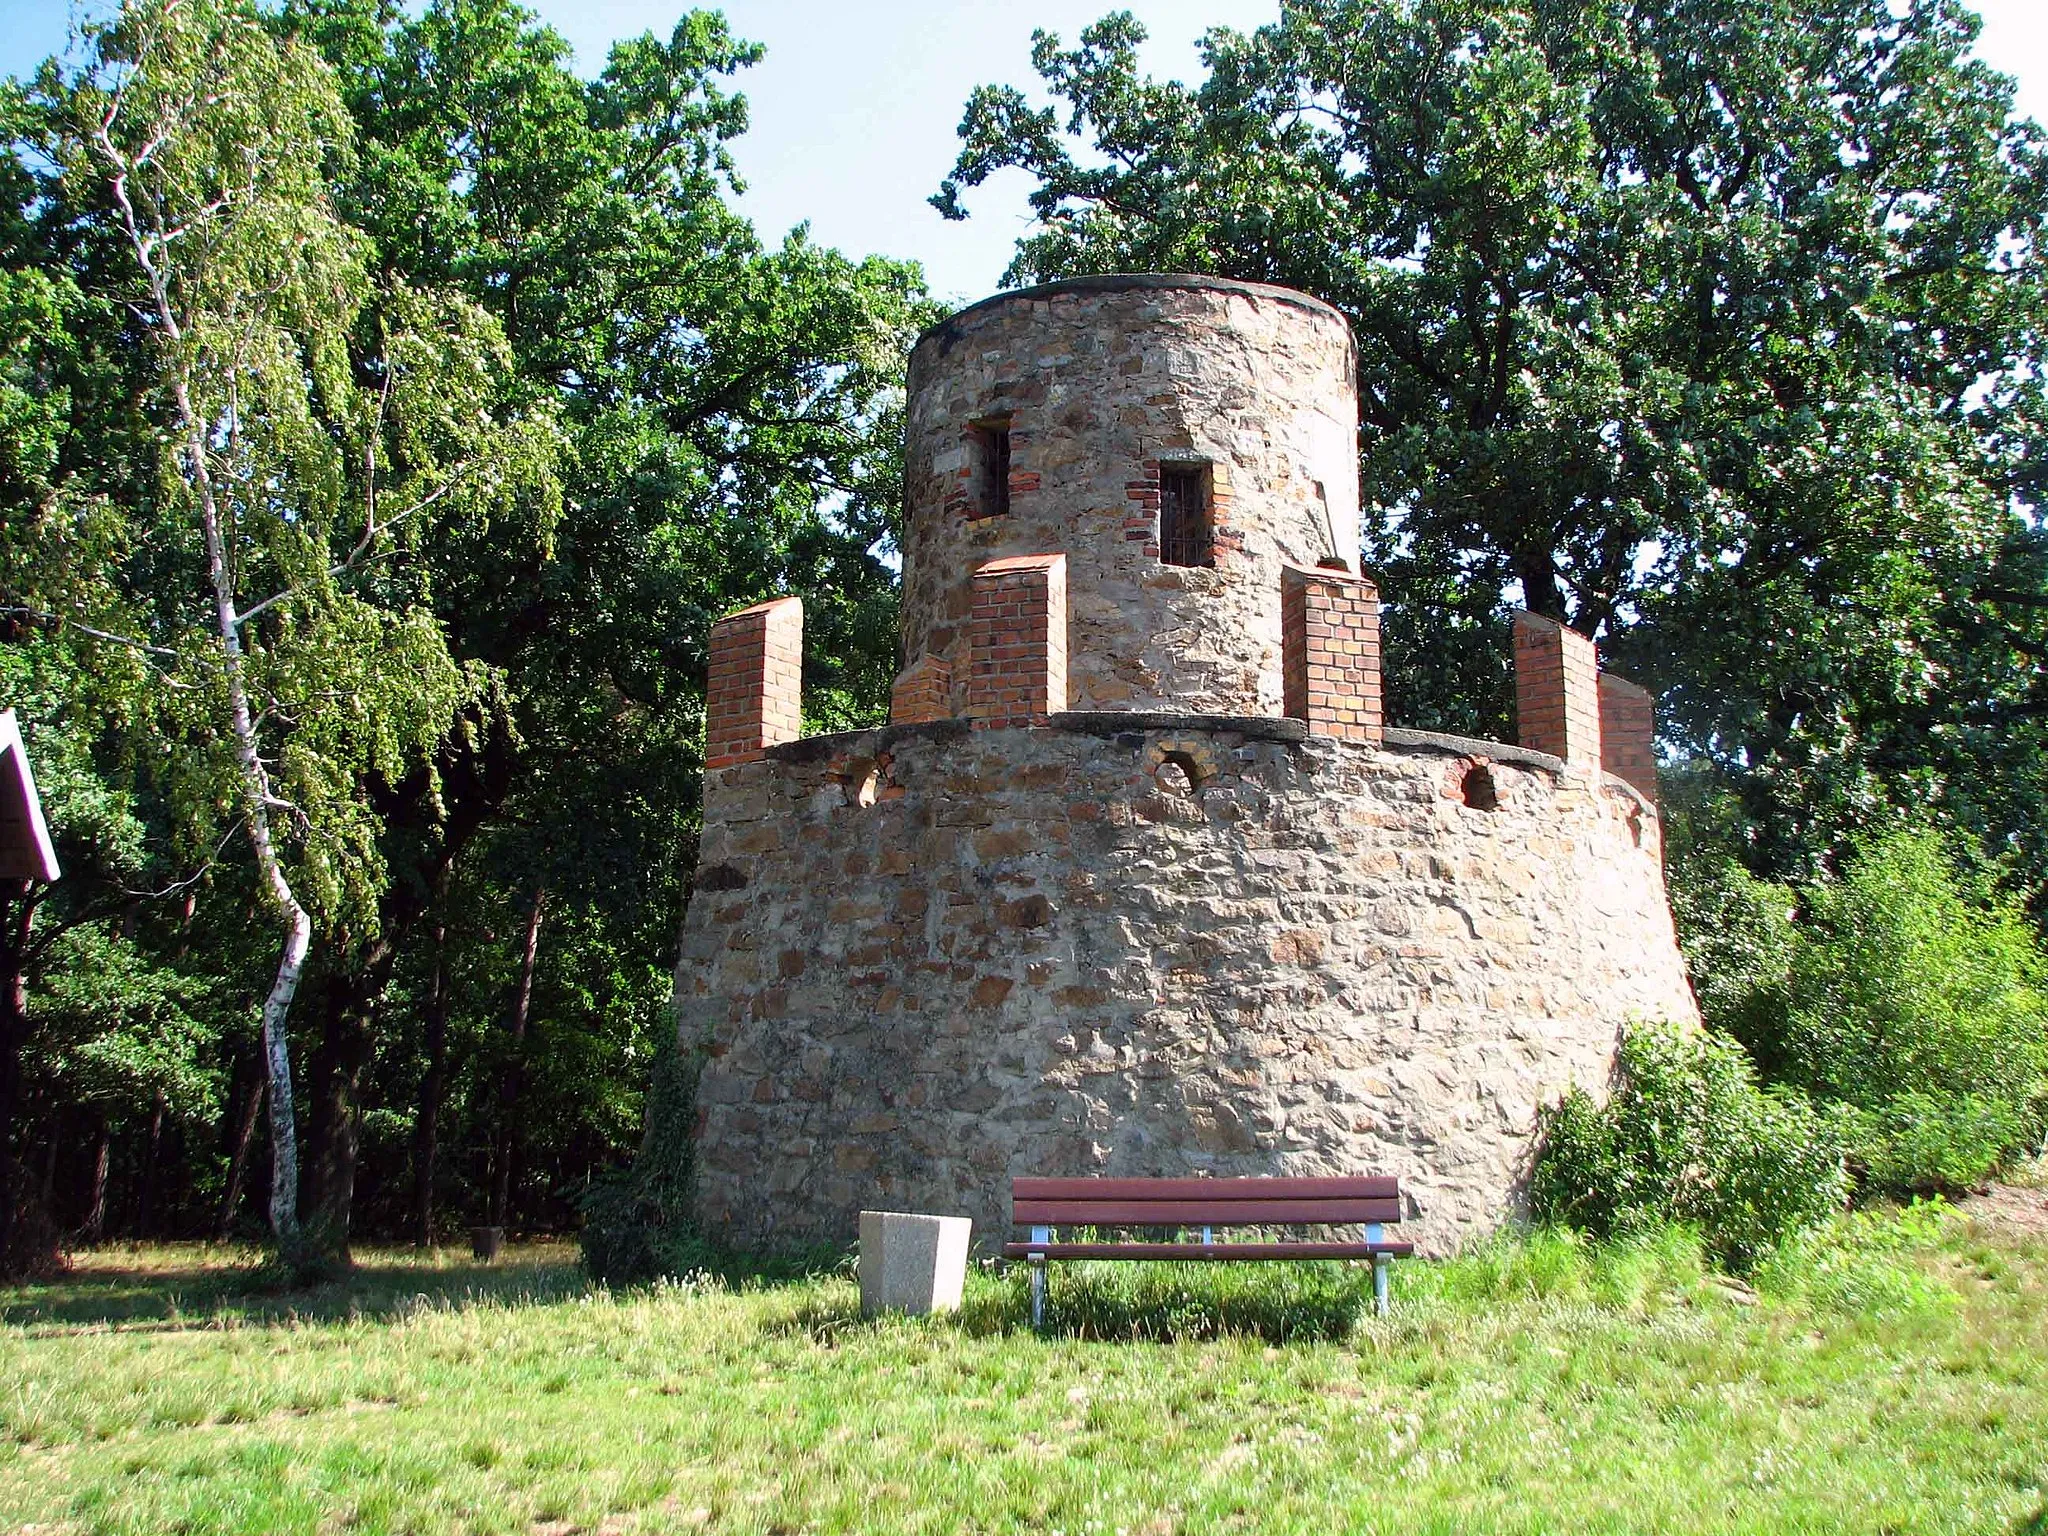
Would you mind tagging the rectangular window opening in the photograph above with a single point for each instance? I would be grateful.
(1187, 533)
(991, 468)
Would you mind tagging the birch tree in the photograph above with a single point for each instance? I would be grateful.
(315, 427)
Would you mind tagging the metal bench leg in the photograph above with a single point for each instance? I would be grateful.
(1381, 1265)
(1038, 1235)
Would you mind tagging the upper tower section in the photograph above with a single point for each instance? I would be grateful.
(1179, 439)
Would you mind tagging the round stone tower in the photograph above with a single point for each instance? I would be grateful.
(1071, 417)
(1137, 880)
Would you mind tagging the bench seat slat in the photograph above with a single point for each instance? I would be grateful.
(1174, 1213)
(1347, 1187)
(1208, 1251)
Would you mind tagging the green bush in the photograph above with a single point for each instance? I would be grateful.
(1911, 977)
(1916, 998)
(1738, 937)
(1930, 1144)
(1687, 1136)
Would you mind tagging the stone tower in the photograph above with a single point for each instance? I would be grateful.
(1137, 880)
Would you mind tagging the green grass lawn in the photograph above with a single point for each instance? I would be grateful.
(1891, 1377)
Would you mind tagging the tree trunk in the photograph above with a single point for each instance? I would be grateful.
(17, 915)
(509, 1082)
(346, 1042)
(145, 1206)
(1537, 569)
(238, 1161)
(94, 1227)
(433, 1082)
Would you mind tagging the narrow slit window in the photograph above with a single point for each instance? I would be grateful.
(992, 469)
(1186, 533)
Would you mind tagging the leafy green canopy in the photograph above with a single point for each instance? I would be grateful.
(1709, 326)
(186, 162)
(503, 405)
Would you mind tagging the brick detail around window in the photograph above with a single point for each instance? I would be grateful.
(1330, 644)
(1019, 641)
(922, 692)
(754, 689)
(1141, 516)
(1628, 734)
(988, 450)
(1557, 690)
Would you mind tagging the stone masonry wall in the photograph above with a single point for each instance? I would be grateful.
(925, 959)
(1099, 382)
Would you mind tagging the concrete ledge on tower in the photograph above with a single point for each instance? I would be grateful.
(1018, 641)
(753, 690)
(1330, 652)
(1557, 690)
(1628, 734)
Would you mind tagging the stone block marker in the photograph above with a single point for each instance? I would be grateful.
(1018, 634)
(1628, 734)
(1557, 690)
(753, 692)
(1330, 644)
(910, 1263)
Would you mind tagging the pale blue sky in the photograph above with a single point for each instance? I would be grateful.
(855, 105)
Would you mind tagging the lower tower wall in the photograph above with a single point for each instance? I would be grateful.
(924, 959)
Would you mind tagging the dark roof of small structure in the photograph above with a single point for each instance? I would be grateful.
(26, 852)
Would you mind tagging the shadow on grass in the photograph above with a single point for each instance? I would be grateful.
(189, 1286)
(2035, 1524)
(1150, 1303)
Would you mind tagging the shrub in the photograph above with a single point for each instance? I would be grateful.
(1917, 998)
(1738, 937)
(1688, 1136)
(1911, 977)
(1930, 1144)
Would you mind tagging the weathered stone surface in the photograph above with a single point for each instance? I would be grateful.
(1128, 920)
(1063, 956)
(912, 1263)
(1099, 382)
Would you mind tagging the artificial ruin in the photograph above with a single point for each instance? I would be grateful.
(1136, 880)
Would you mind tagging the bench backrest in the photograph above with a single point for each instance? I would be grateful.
(1275, 1202)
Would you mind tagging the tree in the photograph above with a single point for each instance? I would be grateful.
(523, 251)
(1710, 327)
(294, 474)
(734, 414)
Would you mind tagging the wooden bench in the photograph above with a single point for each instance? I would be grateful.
(1202, 1205)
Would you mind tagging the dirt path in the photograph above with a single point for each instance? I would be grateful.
(2014, 1208)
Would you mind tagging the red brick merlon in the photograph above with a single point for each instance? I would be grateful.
(923, 692)
(753, 693)
(1628, 734)
(1018, 636)
(1557, 690)
(1330, 652)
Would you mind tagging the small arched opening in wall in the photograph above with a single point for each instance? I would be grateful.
(1182, 766)
(1477, 788)
(862, 781)
(1180, 773)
